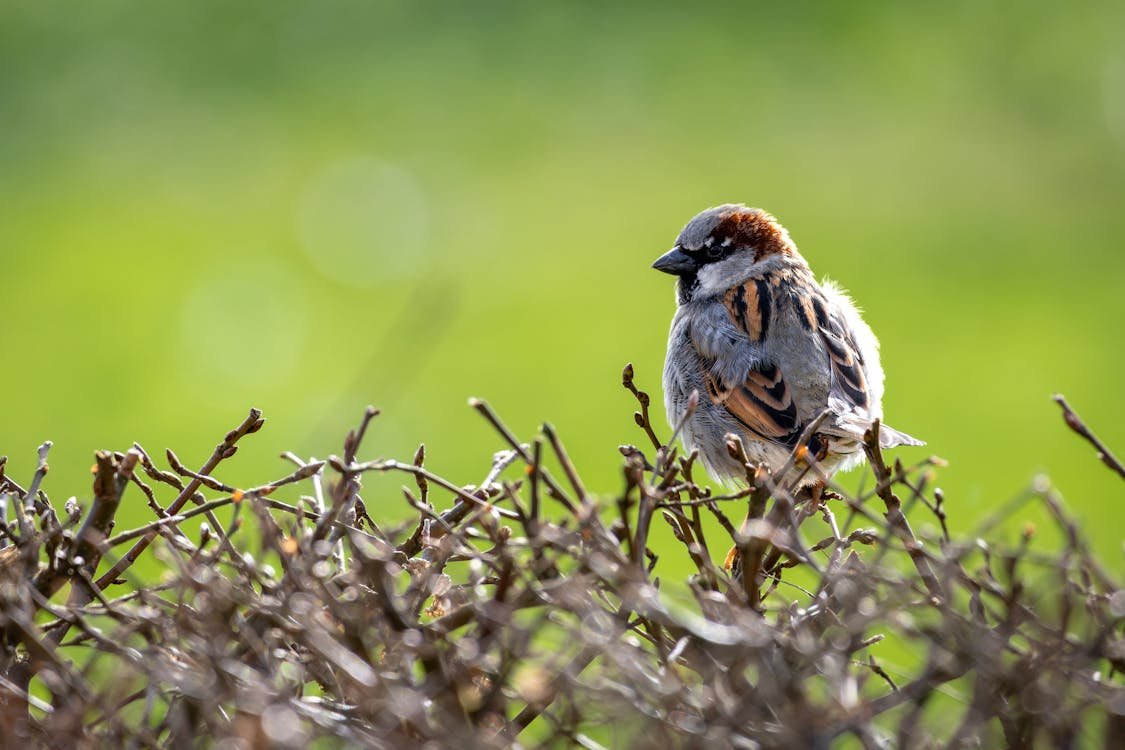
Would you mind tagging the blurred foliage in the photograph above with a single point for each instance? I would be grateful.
(309, 207)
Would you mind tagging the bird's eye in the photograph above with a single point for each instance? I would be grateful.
(715, 251)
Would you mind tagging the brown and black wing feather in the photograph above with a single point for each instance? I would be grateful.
(763, 402)
(849, 380)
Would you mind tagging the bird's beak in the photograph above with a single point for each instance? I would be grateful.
(675, 262)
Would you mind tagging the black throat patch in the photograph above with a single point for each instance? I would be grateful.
(686, 287)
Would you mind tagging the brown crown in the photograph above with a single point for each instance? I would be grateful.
(753, 227)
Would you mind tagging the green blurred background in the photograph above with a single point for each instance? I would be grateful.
(308, 207)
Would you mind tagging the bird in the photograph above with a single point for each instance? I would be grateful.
(759, 349)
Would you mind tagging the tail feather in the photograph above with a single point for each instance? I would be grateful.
(852, 426)
(889, 437)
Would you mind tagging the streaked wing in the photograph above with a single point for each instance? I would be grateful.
(750, 306)
(849, 381)
(762, 403)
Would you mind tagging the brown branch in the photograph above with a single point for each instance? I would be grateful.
(565, 462)
(1074, 422)
(502, 606)
(110, 480)
(224, 450)
(642, 417)
(895, 516)
(553, 488)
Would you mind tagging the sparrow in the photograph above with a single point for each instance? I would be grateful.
(766, 349)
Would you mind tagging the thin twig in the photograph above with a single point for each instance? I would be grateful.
(1075, 423)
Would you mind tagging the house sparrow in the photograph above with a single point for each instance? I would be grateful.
(767, 349)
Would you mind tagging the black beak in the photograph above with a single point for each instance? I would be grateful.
(675, 262)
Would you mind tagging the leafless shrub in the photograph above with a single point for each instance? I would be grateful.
(525, 610)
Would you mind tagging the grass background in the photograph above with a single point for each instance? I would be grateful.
(308, 208)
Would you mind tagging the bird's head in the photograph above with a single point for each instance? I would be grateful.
(722, 244)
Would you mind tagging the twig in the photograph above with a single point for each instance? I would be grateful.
(894, 512)
(1075, 423)
(223, 450)
(642, 418)
(553, 488)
